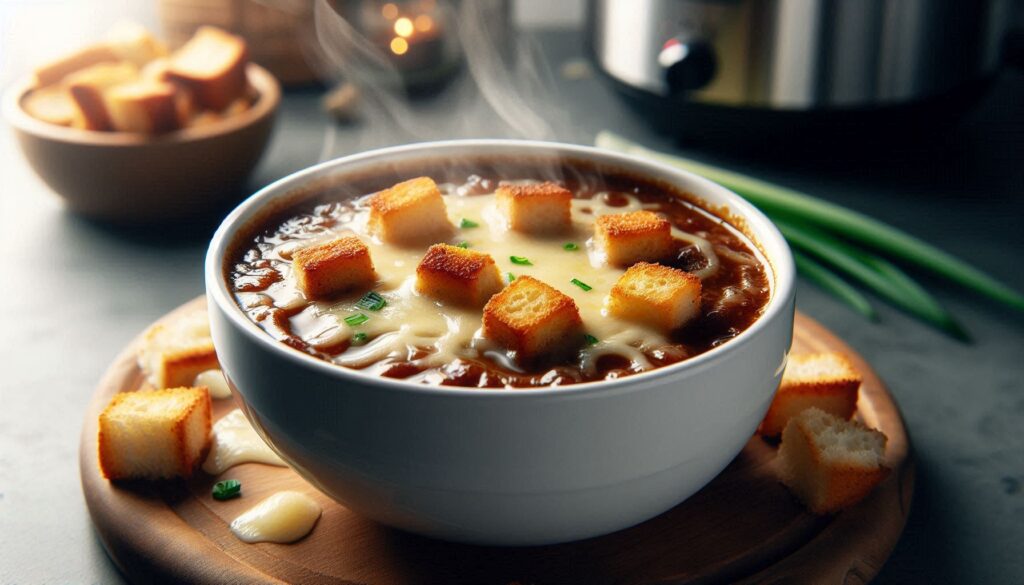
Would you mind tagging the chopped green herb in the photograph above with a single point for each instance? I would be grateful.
(463, 244)
(520, 260)
(511, 277)
(581, 284)
(468, 223)
(227, 489)
(570, 247)
(591, 340)
(372, 301)
(357, 319)
(359, 339)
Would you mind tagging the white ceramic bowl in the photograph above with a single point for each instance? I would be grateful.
(505, 467)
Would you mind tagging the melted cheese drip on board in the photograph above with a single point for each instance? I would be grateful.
(283, 517)
(418, 329)
(236, 442)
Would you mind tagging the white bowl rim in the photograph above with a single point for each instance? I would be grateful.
(782, 267)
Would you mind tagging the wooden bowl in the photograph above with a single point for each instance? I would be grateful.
(135, 178)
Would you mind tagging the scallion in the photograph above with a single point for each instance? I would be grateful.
(570, 247)
(520, 260)
(463, 244)
(372, 301)
(227, 489)
(830, 282)
(511, 277)
(357, 319)
(590, 339)
(581, 284)
(468, 223)
(359, 338)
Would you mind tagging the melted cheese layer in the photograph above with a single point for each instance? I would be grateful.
(236, 442)
(416, 328)
(283, 517)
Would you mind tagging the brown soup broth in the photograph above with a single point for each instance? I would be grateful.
(733, 297)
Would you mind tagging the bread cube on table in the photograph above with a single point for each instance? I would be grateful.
(830, 463)
(332, 267)
(542, 208)
(174, 352)
(88, 89)
(822, 380)
(658, 296)
(457, 275)
(627, 238)
(50, 104)
(154, 434)
(533, 319)
(132, 42)
(55, 71)
(144, 106)
(410, 212)
(211, 65)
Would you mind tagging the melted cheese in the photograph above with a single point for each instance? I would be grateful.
(283, 517)
(236, 442)
(215, 383)
(416, 328)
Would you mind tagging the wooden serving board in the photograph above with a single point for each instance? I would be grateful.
(742, 527)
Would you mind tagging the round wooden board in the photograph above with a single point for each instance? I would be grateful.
(742, 527)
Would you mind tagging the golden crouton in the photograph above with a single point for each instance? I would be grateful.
(154, 434)
(88, 88)
(326, 269)
(542, 208)
(131, 42)
(830, 463)
(822, 380)
(57, 70)
(626, 238)
(211, 65)
(655, 295)
(174, 352)
(144, 106)
(456, 275)
(410, 212)
(533, 319)
(50, 104)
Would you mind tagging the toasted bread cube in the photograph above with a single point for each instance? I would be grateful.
(658, 296)
(332, 267)
(174, 352)
(154, 434)
(533, 319)
(830, 463)
(542, 208)
(131, 42)
(50, 104)
(456, 275)
(88, 90)
(147, 107)
(410, 212)
(626, 238)
(55, 71)
(822, 380)
(212, 66)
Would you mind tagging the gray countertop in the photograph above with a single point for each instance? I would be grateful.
(77, 292)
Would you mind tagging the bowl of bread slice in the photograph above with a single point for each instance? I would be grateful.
(127, 131)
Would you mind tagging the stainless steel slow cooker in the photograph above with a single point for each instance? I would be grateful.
(797, 56)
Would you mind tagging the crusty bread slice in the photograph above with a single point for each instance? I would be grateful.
(144, 106)
(154, 434)
(325, 269)
(627, 238)
(827, 381)
(533, 319)
(542, 208)
(212, 66)
(410, 212)
(55, 71)
(658, 296)
(50, 104)
(174, 352)
(830, 463)
(133, 43)
(88, 89)
(457, 275)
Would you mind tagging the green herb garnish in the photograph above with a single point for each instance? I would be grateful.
(581, 284)
(227, 489)
(511, 277)
(463, 245)
(570, 247)
(591, 340)
(372, 301)
(520, 260)
(357, 319)
(468, 223)
(359, 339)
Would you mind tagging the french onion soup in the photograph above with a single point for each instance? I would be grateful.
(498, 276)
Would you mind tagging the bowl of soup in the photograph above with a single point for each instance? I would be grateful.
(598, 382)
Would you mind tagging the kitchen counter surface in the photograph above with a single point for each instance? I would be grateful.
(78, 291)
